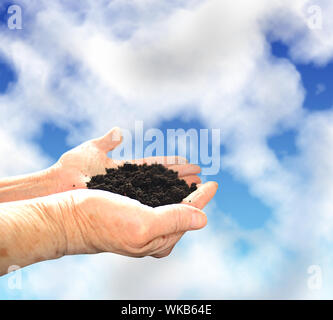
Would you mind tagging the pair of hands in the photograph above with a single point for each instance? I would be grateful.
(99, 221)
(52, 213)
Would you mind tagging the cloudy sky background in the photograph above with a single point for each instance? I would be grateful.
(258, 70)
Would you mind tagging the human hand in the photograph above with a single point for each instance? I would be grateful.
(99, 221)
(75, 168)
(91, 221)
(198, 199)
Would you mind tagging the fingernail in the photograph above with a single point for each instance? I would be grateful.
(216, 184)
(198, 220)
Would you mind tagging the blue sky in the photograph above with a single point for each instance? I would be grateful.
(241, 197)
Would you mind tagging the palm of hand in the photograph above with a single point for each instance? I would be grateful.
(75, 168)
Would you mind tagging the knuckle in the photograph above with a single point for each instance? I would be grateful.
(180, 219)
(177, 219)
(167, 253)
(137, 253)
(163, 254)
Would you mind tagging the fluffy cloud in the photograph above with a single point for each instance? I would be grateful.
(112, 63)
(23, 157)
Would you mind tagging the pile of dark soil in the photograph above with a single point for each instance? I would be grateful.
(153, 185)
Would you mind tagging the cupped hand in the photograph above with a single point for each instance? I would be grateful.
(197, 199)
(99, 221)
(75, 168)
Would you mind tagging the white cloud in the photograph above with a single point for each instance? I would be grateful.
(151, 64)
(19, 157)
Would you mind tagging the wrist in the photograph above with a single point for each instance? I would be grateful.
(29, 186)
(30, 232)
(68, 225)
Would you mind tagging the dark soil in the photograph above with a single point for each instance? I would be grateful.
(153, 185)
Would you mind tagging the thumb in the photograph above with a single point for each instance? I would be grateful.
(177, 218)
(204, 193)
(110, 140)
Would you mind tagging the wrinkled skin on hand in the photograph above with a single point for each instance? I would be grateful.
(99, 221)
(53, 214)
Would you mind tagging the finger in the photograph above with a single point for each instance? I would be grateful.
(163, 253)
(167, 161)
(191, 179)
(185, 169)
(167, 251)
(110, 140)
(162, 242)
(200, 197)
(175, 218)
